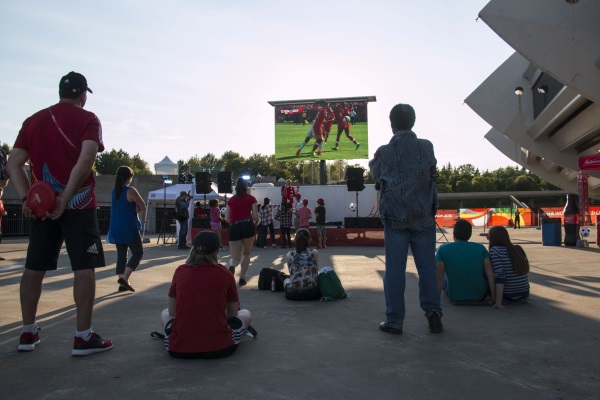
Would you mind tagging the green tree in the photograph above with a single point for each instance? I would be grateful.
(524, 182)
(483, 184)
(140, 167)
(108, 162)
(232, 161)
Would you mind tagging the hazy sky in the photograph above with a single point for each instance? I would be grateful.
(184, 78)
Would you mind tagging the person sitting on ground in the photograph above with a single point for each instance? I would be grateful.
(203, 319)
(303, 265)
(464, 268)
(511, 267)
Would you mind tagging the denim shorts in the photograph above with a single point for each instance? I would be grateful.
(242, 230)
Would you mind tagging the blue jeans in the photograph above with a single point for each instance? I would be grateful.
(182, 241)
(422, 245)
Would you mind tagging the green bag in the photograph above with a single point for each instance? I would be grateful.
(330, 286)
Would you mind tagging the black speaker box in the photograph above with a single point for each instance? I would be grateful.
(350, 222)
(354, 174)
(203, 183)
(355, 186)
(375, 222)
(356, 222)
(224, 182)
(200, 223)
(355, 179)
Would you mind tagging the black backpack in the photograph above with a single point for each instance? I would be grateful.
(266, 278)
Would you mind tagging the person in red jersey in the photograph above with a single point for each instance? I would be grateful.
(60, 143)
(241, 214)
(203, 318)
(343, 118)
(288, 193)
(316, 131)
(328, 123)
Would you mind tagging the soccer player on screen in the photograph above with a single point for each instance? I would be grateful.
(327, 123)
(316, 131)
(342, 116)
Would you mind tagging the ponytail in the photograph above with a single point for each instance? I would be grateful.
(124, 173)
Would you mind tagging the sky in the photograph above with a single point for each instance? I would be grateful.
(185, 78)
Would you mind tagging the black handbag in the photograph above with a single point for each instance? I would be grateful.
(265, 279)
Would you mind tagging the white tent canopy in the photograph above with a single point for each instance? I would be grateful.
(166, 167)
(168, 195)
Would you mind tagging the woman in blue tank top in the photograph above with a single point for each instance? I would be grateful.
(124, 230)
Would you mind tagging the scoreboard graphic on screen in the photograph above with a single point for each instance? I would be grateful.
(326, 129)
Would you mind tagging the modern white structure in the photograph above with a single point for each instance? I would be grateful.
(543, 103)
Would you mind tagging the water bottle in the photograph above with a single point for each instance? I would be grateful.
(571, 217)
(272, 284)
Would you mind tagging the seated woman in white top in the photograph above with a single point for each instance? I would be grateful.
(303, 265)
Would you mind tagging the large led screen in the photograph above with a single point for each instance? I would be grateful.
(326, 129)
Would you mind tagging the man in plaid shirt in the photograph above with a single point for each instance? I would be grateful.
(284, 216)
(266, 222)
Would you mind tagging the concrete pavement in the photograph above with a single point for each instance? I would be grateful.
(547, 349)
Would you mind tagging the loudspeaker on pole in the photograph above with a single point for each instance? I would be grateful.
(203, 183)
(224, 182)
(355, 179)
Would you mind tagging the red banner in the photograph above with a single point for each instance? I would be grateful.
(589, 162)
(446, 218)
(293, 111)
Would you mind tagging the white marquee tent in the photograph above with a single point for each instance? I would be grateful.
(167, 196)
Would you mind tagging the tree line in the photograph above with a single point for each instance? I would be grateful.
(451, 179)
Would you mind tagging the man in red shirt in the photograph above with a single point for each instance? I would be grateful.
(344, 125)
(61, 143)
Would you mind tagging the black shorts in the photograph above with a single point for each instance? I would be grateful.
(78, 229)
(241, 230)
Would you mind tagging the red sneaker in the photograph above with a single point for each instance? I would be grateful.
(28, 341)
(297, 153)
(95, 345)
